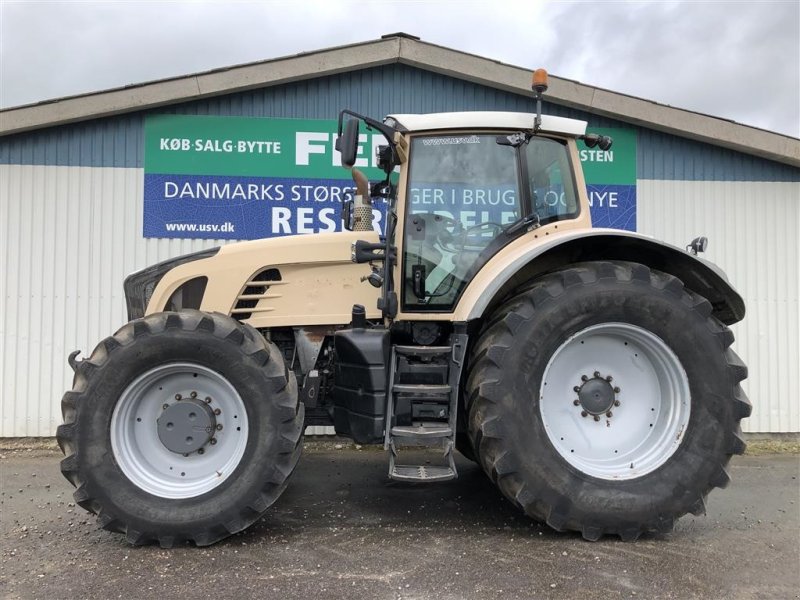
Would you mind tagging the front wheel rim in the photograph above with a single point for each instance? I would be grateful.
(615, 401)
(139, 451)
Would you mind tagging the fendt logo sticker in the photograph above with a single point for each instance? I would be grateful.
(249, 178)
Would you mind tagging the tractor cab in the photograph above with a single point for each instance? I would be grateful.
(468, 194)
(460, 187)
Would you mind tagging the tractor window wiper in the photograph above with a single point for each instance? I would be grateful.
(515, 140)
(528, 222)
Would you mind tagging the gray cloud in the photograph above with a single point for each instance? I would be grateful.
(736, 60)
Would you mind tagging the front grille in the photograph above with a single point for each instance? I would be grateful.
(254, 292)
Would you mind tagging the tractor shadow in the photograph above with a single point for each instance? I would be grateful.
(351, 489)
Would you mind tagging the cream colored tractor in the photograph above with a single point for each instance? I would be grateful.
(588, 371)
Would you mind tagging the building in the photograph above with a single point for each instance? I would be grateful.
(73, 208)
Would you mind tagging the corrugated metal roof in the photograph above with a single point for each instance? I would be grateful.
(407, 50)
(118, 141)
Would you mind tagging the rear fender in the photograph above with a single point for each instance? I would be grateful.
(699, 275)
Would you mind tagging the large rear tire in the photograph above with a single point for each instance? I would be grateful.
(605, 399)
(180, 427)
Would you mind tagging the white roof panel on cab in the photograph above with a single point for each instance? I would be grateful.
(487, 120)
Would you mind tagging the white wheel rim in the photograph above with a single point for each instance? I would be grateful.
(644, 429)
(136, 445)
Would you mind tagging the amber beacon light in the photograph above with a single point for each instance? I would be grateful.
(539, 84)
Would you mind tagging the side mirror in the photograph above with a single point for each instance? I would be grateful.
(347, 143)
(592, 139)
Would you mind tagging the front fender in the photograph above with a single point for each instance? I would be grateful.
(508, 270)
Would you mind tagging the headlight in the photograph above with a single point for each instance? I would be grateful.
(139, 286)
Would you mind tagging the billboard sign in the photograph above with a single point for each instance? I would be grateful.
(248, 178)
(611, 179)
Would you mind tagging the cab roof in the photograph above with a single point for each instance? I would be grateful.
(485, 120)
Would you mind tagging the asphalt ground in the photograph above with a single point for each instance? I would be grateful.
(343, 530)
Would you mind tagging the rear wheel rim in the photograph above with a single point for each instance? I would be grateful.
(615, 401)
(140, 453)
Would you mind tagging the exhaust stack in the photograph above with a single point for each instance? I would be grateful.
(362, 203)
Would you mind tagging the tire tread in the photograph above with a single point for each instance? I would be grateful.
(256, 349)
(488, 428)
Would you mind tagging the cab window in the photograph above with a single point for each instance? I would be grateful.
(462, 191)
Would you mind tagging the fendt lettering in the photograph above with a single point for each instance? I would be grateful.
(310, 146)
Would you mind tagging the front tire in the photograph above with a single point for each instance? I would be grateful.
(605, 399)
(180, 427)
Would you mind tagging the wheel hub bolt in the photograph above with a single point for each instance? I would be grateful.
(201, 451)
(208, 400)
(164, 406)
(193, 394)
(217, 411)
(185, 427)
(213, 441)
(219, 426)
(596, 396)
(177, 396)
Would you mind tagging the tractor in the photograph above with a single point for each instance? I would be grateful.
(588, 371)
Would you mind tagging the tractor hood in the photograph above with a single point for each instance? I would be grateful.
(293, 280)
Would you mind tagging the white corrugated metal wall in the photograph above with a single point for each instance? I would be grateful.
(69, 236)
(753, 230)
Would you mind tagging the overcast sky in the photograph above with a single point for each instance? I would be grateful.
(737, 60)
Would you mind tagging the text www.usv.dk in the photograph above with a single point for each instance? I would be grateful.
(226, 227)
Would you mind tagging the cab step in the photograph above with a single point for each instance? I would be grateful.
(432, 401)
(422, 350)
(419, 473)
(423, 431)
(421, 389)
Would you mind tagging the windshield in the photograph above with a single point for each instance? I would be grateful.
(464, 201)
